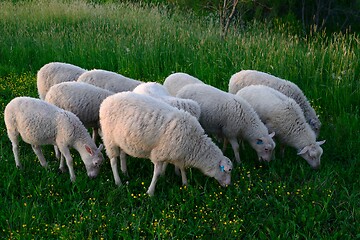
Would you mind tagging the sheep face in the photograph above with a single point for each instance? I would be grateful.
(312, 154)
(264, 147)
(93, 161)
(223, 173)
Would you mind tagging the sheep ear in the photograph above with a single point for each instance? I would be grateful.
(100, 148)
(272, 134)
(304, 150)
(89, 150)
(321, 142)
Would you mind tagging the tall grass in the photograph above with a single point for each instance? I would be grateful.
(282, 199)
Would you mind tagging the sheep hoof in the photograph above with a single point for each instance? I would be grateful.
(73, 179)
(19, 166)
(62, 170)
(151, 194)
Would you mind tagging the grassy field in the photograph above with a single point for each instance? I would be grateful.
(284, 199)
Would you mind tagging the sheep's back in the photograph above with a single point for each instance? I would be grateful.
(82, 99)
(139, 124)
(34, 119)
(109, 80)
(174, 82)
(56, 72)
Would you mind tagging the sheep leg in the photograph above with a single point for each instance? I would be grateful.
(157, 171)
(282, 150)
(15, 147)
(113, 162)
(183, 176)
(57, 152)
(235, 146)
(123, 164)
(69, 162)
(62, 167)
(225, 142)
(164, 168)
(40, 155)
(177, 171)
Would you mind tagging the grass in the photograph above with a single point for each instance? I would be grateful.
(282, 199)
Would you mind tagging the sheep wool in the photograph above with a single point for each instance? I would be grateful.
(80, 98)
(145, 127)
(40, 123)
(108, 80)
(174, 82)
(229, 116)
(157, 90)
(252, 77)
(56, 72)
(284, 116)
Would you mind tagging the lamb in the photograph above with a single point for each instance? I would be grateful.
(145, 127)
(40, 123)
(157, 90)
(231, 117)
(174, 82)
(56, 72)
(108, 80)
(284, 116)
(80, 98)
(251, 77)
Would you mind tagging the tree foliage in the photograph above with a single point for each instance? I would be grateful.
(312, 15)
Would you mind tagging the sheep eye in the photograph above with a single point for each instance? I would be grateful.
(259, 141)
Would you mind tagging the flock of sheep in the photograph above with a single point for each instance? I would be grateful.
(167, 123)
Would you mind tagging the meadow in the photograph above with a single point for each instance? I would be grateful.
(283, 199)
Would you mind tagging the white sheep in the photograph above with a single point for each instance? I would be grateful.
(108, 80)
(80, 98)
(174, 82)
(145, 127)
(40, 123)
(252, 77)
(157, 90)
(229, 116)
(56, 72)
(284, 116)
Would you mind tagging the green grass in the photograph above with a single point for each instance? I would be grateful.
(283, 199)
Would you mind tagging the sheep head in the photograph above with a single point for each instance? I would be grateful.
(223, 172)
(312, 154)
(264, 147)
(93, 160)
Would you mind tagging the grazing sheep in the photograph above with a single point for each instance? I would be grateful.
(145, 127)
(108, 80)
(40, 123)
(251, 77)
(80, 98)
(56, 72)
(284, 116)
(157, 90)
(174, 82)
(231, 117)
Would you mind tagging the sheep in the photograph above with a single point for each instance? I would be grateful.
(284, 116)
(108, 80)
(157, 90)
(174, 82)
(231, 117)
(40, 123)
(56, 72)
(80, 98)
(145, 127)
(252, 77)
